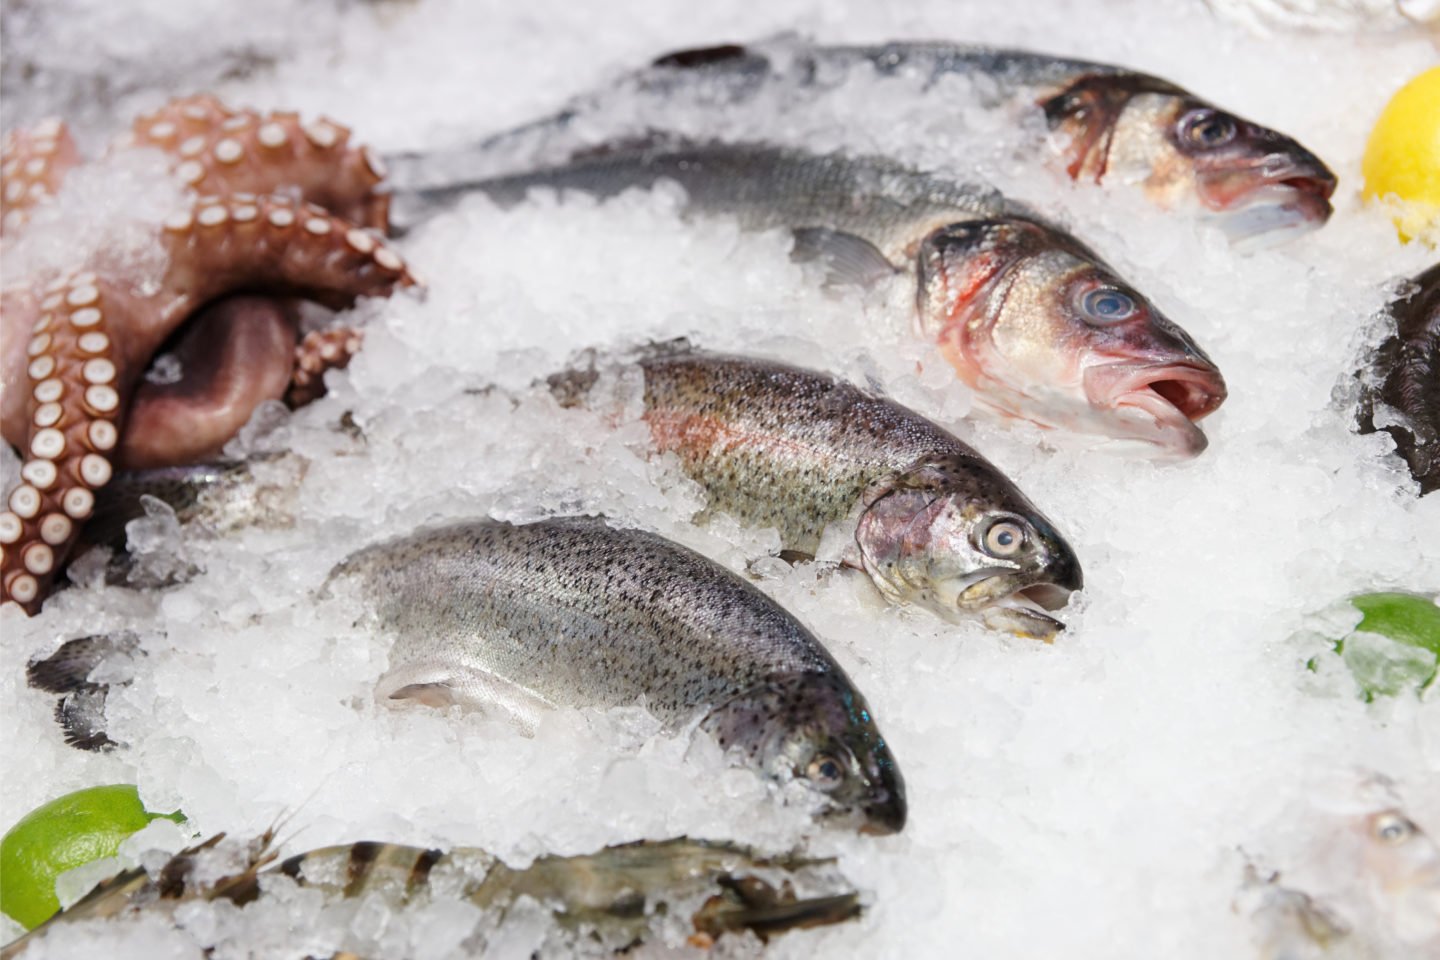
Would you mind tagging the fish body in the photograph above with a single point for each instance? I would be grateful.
(1033, 320)
(934, 523)
(573, 612)
(1107, 123)
(1404, 376)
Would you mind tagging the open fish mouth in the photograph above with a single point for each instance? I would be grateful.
(1169, 398)
(1004, 601)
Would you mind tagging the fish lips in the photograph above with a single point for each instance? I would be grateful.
(1168, 397)
(1020, 601)
(1280, 195)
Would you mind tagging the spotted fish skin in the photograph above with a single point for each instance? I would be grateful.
(779, 446)
(572, 612)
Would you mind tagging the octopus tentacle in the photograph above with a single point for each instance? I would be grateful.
(33, 163)
(81, 371)
(319, 351)
(219, 151)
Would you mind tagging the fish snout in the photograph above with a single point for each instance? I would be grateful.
(1170, 397)
(1276, 186)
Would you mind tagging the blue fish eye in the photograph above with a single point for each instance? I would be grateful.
(1108, 306)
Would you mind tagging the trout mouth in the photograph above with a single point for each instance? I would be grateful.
(1163, 401)
(1004, 601)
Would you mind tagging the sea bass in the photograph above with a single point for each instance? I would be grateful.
(1107, 123)
(573, 612)
(1029, 317)
(602, 903)
(1401, 390)
(931, 521)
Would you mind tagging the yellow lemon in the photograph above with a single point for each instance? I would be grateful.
(1402, 159)
(65, 833)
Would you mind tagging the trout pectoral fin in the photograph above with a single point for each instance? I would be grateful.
(443, 685)
(848, 260)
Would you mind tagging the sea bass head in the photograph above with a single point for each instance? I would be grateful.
(957, 538)
(1252, 180)
(814, 727)
(1045, 331)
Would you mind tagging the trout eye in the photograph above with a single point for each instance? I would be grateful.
(1108, 305)
(1207, 129)
(1004, 539)
(1392, 827)
(825, 771)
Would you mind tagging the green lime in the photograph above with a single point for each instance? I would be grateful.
(74, 830)
(1396, 644)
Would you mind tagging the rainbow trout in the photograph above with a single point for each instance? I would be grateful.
(572, 612)
(930, 521)
(1033, 320)
(1106, 123)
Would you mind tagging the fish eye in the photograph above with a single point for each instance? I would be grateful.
(1207, 128)
(1004, 538)
(825, 771)
(1108, 305)
(1392, 827)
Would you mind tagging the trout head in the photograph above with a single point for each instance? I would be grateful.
(816, 728)
(1043, 330)
(1251, 180)
(955, 537)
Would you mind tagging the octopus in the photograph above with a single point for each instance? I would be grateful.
(273, 209)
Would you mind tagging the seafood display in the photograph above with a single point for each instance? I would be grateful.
(1400, 393)
(1107, 123)
(671, 891)
(573, 612)
(264, 203)
(1030, 318)
(930, 520)
(502, 573)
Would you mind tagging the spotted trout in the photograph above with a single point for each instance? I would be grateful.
(573, 612)
(1105, 123)
(930, 521)
(1033, 320)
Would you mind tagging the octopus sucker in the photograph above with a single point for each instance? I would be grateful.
(33, 164)
(280, 210)
(223, 151)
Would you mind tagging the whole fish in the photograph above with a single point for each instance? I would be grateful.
(1107, 123)
(929, 520)
(1029, 317)
(572, 612)
(603, 902)
(1400, 393)
(1382, 874)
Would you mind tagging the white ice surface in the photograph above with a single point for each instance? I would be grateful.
(1097, 798)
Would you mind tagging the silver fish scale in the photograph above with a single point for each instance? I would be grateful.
(811, 442)
(766, 187)
(582, 614)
